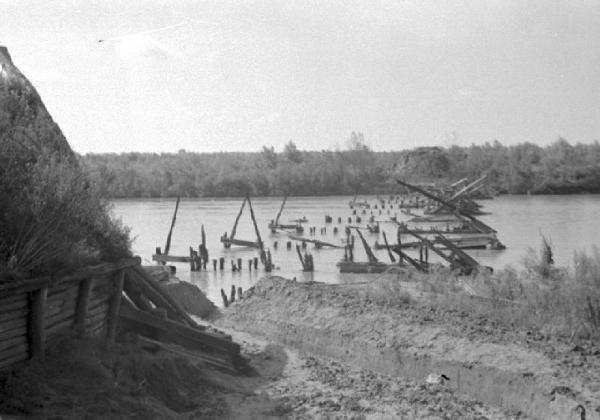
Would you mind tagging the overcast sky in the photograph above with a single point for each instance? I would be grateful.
(229, 76)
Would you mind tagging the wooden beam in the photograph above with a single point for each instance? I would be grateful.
(171, 258)
(165, 330)
(280, 210)
(260, 242)
(479, 225)
(153, 284)
(83, 299)
(168, 244)
(37, 333)
(387, 246)
(237, 219)
(114, 306)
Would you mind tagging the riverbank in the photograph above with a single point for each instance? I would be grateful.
(521, 371)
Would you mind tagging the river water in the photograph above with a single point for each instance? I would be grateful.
(569, 222)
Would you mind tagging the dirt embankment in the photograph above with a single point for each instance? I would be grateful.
(522, 371)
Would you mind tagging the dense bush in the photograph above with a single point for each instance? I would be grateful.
(51, 215)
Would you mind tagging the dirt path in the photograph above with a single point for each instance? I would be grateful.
(301, 386)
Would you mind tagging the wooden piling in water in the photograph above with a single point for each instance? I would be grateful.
(224, 297)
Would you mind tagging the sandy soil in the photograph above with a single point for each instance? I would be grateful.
(312, 387)
(542, 376)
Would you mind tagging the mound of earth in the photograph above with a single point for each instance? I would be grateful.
(191, 298)
(519, 371)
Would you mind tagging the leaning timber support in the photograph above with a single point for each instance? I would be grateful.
(387, 246)
(301, 257)
(280, 210)
(259, 240)
(237, 219)
(168, 244)
(372, 258)
(476, 223)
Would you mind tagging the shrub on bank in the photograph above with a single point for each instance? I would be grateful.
(51, 215)
(540, 296)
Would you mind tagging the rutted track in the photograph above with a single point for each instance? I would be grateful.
(341, 322)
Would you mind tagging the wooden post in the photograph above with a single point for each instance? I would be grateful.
(224, 297)
(222, 263)
(215, 264)
(239, 293)
(37, 333)
(239, 264)
(114, 306)
(250, 264)
(85, 288)
(232, 295)
(192, 261)
(255, 263)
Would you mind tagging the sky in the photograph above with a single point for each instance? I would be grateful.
(206, 76)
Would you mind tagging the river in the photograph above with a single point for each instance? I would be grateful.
(569, 222)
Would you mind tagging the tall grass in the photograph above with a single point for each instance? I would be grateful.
(553, 300)
(537, 296)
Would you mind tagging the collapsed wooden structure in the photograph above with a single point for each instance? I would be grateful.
(232, 240)
(274, 225)
(100, 300)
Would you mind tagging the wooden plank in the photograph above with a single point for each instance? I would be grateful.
(134, 293)
(314, 241)
(10, 325)
(168, 331)
(154, 285)
(13, 341)
(13, 357)
(30, 285)
(37, 333)
(85, 288)
(171, 258)
(114, 305)
(240, 242)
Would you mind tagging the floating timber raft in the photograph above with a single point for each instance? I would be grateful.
(232, 240)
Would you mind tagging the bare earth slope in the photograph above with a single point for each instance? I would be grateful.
(518, 371)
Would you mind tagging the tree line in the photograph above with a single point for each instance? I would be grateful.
(559, 168)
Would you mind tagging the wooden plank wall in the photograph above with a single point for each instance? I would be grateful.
(79, 303)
